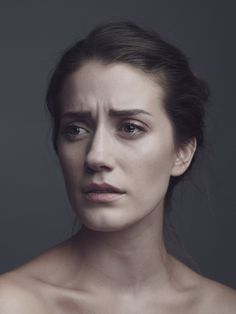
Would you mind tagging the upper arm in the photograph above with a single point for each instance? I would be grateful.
(14, 299)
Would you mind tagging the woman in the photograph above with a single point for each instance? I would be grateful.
(128, 118)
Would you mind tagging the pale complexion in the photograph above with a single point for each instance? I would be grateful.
(127, 140)
(118, 262)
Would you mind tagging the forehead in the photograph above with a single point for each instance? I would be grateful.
(114, 86)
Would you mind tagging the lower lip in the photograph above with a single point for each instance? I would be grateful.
(103, 197)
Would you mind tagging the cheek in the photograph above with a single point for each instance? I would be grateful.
(150, 169)
(71, 161)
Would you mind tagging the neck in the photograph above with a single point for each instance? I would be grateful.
(131, 259)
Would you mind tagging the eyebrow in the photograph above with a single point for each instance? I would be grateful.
(85, 115)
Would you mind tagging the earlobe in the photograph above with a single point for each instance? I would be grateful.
(184, 156)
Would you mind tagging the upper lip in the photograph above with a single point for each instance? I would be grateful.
(101, 187)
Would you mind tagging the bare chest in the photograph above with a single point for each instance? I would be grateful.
(101, 304)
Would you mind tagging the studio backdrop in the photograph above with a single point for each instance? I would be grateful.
(34, 211)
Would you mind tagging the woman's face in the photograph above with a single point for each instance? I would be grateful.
(113, 129)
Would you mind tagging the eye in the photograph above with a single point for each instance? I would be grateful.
(74, 131)
(131, 129)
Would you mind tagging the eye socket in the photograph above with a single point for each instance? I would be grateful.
(74, 131)
(131, 129)
(127, 129)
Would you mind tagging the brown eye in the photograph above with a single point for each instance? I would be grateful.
(131, 129)
(74, 131)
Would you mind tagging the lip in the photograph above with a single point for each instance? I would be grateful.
(102, 192)
(101, 197)
(103, 187)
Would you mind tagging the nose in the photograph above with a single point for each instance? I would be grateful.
(99, 154)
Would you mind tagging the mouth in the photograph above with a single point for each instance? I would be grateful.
(104, 193)
(103, 197)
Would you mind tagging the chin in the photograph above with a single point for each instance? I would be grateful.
(101, 228)
(105, 223)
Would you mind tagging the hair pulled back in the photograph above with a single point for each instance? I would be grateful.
(126, 42)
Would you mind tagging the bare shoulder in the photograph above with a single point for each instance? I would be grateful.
(17, 298)
(30, 287)
(206, 296)
(218, 298)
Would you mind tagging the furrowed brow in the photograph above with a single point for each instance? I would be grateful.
(81, 115)
(124, 113)
(87, 115)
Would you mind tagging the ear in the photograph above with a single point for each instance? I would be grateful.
(184, 156)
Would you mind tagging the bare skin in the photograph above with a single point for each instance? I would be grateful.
(45, 285)
(117, 263)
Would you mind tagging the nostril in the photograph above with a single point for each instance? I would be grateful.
(88, 169)
(96, 166)
(97, 162)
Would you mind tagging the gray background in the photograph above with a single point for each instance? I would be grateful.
(35, 214)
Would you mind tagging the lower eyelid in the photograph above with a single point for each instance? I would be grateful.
(67, 131)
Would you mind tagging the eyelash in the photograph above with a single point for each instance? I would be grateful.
(136, 126)
(72, 129)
